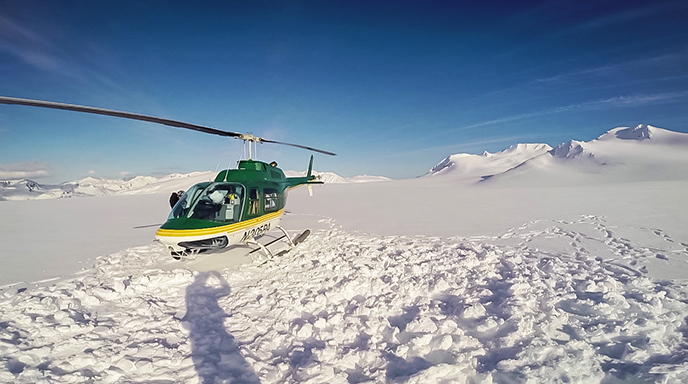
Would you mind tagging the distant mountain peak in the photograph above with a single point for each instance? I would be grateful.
(446, 163)
(569, 150)
(640, 132)
(526, 147)
(638, 153)
(333, 178)
(622, 154)
(474, 167)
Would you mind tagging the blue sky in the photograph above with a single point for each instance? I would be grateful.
(392, 87)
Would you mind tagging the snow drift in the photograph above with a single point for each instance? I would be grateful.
(346, 308)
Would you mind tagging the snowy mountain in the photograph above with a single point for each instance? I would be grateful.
(473, 168)
(333, 178)
(23, 189)
(90, 186)
(30, 190)
(624, 154)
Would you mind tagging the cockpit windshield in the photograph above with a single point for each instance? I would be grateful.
(220, 202)
(181, 209)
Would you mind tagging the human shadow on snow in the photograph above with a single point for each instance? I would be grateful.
(215, 354)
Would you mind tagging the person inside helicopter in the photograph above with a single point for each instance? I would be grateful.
(219, 202)
(208, 206)
(231, 206)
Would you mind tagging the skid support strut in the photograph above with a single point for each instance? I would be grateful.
(286, 235)
(262, 247)
(290, 242)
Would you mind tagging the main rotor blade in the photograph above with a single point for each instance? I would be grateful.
(151, 119)
(300, 146)
(110, 112)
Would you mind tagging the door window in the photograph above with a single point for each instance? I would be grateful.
(271, 198)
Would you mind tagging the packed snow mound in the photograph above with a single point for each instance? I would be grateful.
(351, 308)
(473, 168)
(333, 178)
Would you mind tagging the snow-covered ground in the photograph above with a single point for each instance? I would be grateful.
(441, 279)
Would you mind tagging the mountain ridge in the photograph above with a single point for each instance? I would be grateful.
(622, 154)
(25, 189)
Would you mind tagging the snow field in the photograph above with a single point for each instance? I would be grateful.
(550, 301)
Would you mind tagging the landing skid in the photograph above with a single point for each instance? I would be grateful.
(290, 242)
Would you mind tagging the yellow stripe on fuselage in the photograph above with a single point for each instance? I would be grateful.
(223, 229)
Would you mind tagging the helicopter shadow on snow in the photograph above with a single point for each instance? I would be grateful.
(216, 356)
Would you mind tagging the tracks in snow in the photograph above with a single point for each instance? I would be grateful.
(550, 301)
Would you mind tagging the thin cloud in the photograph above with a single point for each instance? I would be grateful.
(609, 103)
(593, 71)
(30, 170)
(607, 69)
(627, 101)
(632, 15)
(624, 102)
(505, 119)
(27, 46)
(36, 49)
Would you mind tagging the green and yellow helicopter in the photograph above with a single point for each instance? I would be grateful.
(237, 207)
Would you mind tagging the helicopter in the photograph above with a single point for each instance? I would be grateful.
(237, 207)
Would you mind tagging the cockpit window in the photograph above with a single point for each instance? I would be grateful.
(220, 202)
(181, 209)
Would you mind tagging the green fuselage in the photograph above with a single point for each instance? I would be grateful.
(252, 190)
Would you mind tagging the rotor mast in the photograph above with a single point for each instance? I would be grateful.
(252, 140)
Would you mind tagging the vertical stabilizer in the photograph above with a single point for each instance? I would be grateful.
(293, 182)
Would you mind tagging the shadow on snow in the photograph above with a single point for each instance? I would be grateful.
(215, 354)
